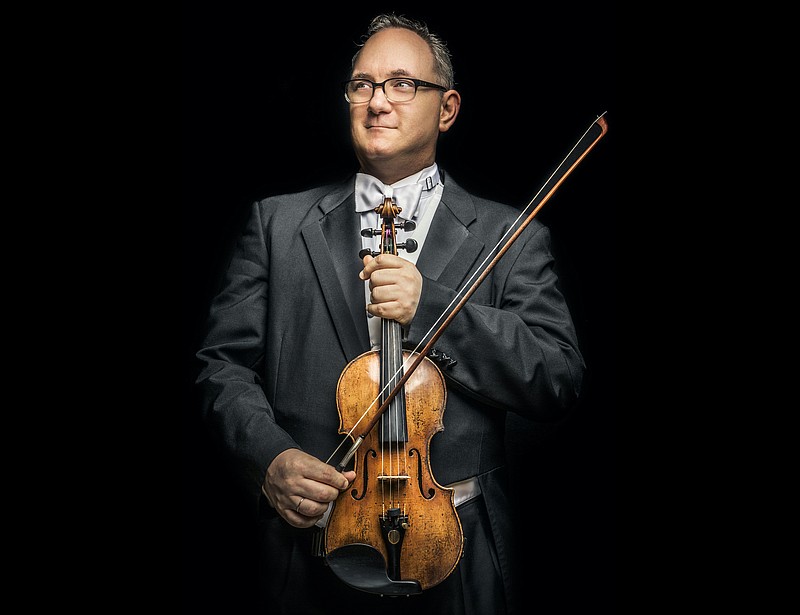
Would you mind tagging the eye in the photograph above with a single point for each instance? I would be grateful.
(360, 85)
(402, 84)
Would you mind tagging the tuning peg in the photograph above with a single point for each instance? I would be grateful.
(365, 251)
(409, 245)
(408, 225)
(370, 232)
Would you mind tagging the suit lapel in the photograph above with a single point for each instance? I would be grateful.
(333, 243)
(453, 256)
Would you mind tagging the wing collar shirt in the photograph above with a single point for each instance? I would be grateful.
(417, 196)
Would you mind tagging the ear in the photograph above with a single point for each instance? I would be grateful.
(451, 103)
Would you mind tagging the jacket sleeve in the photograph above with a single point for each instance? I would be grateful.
(231, 356)
(514, 342)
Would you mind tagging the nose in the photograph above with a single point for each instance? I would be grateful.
(379, 102)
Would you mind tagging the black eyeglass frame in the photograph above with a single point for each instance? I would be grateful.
(418, 83)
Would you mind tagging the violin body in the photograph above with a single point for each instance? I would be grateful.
(427, 543)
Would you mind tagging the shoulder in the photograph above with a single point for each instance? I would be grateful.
(303, 200)
(480, 213)
(295, 209)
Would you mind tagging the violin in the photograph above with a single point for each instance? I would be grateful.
(396, 530)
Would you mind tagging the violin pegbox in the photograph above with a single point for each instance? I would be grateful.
(388, 211)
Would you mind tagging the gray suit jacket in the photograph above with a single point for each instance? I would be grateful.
(291, 315)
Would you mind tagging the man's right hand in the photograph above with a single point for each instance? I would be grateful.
(301, 487)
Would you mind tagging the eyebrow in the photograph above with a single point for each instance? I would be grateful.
(398, 72)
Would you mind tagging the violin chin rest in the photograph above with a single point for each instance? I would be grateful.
(361, 566)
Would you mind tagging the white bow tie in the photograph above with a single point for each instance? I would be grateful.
(370, 193)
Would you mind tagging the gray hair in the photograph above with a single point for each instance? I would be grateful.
(442, 63)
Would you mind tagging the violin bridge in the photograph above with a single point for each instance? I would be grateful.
(393, 477)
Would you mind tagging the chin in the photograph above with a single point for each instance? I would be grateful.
(377, 153)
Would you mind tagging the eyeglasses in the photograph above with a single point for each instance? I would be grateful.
(397, 89)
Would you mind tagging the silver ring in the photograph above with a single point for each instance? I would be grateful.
(297, 509)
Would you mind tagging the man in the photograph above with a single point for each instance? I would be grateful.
(298, 305)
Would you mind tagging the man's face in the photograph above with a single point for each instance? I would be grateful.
(393, 140)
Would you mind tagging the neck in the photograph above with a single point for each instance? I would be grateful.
(393, 177)
(391, 172)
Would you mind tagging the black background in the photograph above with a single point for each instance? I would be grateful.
(263, 114)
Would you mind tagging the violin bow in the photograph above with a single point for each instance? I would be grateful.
(584, 145)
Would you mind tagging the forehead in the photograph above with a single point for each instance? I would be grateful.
(394, 51)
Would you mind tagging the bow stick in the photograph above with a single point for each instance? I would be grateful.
(593, 134)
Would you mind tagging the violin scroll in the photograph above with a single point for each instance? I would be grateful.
(388, 211)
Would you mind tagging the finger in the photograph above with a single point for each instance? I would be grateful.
(371, 264)
(307, 510)
(331, 476)
(301, 517)
(389, 310)
(322, 484)
(382, 261)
